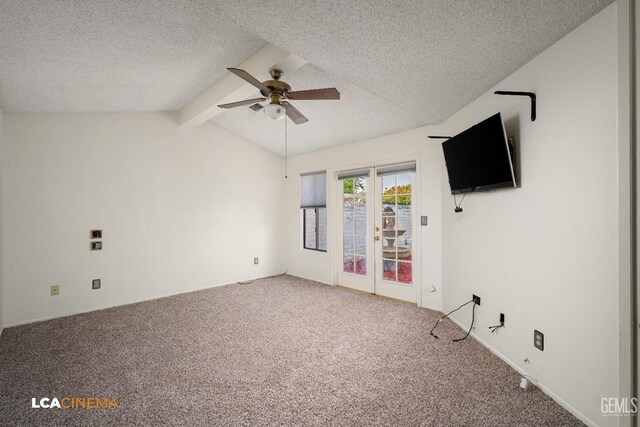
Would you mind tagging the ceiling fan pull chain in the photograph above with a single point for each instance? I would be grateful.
(285, 149)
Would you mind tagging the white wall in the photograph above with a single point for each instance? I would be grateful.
(180, 209)
(627, 328)
(411, 144)
(546, 254)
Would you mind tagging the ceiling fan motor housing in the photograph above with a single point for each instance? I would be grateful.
(277, 87)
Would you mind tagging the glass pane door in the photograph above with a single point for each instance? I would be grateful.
(356, 270)
(394, 252)
(376, 224)
(354, 230)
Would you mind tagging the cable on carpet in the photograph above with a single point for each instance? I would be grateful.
(453, 311)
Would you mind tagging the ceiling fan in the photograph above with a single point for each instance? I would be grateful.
(278, 92)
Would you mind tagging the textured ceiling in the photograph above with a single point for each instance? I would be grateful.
(431, 57)
(398, 64)
(113, 55)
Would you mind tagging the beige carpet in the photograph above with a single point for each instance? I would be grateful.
(279, 351)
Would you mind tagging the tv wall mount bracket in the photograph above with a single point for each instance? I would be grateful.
(531, 96)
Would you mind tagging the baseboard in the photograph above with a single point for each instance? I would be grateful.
(438, 309)
(106, 307)
(579, 415)
(309, 278)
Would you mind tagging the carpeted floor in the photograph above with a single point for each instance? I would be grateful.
(279, 351)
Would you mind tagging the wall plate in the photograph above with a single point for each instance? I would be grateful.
(538, 340)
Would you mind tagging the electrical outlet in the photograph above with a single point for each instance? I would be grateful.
(538, 340)
(502, 318)
(96, 283)
(476, 299)
(96, 246)
(55, 290)
(255, 260)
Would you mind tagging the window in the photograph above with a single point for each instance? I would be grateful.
(313, 202)
(315, 228)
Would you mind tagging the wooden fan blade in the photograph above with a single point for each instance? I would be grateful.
(250, 79)
(296, 116)
(241, 103)
(328, 93)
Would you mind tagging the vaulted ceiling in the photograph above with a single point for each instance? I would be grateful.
(397, 64)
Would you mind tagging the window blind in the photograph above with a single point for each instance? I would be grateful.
(354, 173)
(313, 187)
(397, 168)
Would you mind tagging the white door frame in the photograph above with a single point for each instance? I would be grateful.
(334, 211)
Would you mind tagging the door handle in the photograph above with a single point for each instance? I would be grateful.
(376, 238)
(377, 228)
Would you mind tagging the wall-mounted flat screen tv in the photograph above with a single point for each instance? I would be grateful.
(480, 158)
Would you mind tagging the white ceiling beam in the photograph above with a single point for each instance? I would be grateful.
(232, 88)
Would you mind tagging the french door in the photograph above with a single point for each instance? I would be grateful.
(377, 226)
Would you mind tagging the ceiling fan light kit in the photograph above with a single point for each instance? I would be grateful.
(278, 91)
(275, 111)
